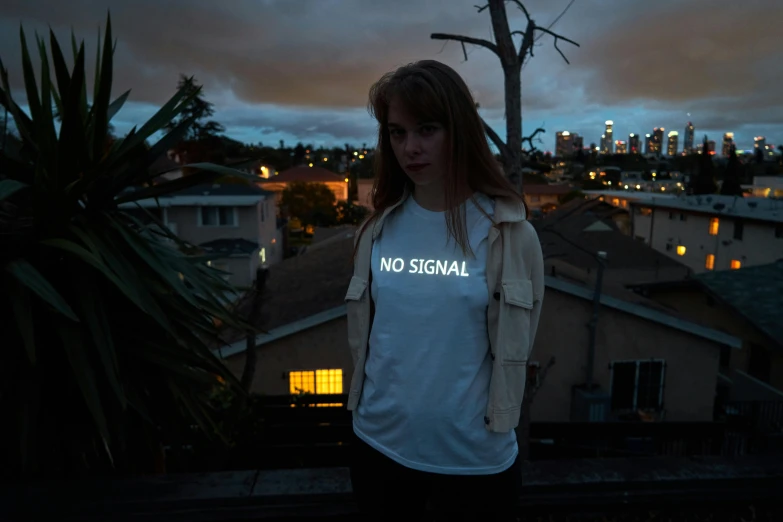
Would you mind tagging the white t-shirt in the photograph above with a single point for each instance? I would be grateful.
(428, 367)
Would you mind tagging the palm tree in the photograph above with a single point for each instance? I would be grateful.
(106, 321)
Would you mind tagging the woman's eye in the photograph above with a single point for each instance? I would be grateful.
(428, 129)
(396, 133)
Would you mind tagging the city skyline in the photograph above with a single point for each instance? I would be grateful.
(681, 133)
(299, 70)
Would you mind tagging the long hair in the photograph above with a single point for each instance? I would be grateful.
(433, 91)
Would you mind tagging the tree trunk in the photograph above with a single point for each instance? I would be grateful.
(511, 60)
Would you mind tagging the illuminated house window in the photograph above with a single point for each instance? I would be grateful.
(735, 264)
(680, 250)
(301, 382)
(714, 224)
(318, 382)
(709, 264)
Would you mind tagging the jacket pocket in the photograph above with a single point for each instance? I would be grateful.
(515, 321)
(356, 308)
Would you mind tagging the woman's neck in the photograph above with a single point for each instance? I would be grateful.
(432, 197)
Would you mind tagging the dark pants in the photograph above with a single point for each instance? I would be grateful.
(386, 490)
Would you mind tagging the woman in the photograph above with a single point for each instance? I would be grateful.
(442, 309)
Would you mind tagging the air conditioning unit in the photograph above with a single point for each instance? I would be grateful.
(590, 405)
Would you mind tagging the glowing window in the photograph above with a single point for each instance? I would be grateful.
(714, 225)
(319, 382)
(709, 264)
(735, 264)
(301, 382)
(680, 250)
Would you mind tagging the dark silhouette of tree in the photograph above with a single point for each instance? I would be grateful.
(733, 175)
(512, 59)
(350, 214)
(299, 154)
(312, 203)
(199, 110)
(703, 182)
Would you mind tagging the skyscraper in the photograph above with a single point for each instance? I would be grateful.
(688, 145)
(609, 141)
(648, 144)
(603, 146)
(633, 144)
(564, 144)
(658, 140)
(621, 147)
(728, 141)
(671, 149)
(579, 142)
(760, 142)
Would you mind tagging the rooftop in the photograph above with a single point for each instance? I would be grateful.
(755, 292)
(306, 174)
(576, 231)
(541, 189)
(760, 209)
(307, 290)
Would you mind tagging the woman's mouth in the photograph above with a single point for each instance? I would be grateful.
(415, 167)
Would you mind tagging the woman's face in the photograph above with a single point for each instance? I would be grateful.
(419, 146)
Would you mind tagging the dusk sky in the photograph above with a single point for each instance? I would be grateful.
(299, 70)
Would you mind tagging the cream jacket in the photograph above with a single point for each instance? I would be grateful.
(515, 282)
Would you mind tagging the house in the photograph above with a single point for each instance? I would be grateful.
(705, 233)
(575, 232)
(643, 358)
(234, 221)
(746, 303)
(542, 198)
(304, 174)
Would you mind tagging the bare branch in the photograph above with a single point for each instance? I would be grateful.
(466, 39)
(499, 143)
(558, 37)
(529, 139)
(481, 8)
(524, 10)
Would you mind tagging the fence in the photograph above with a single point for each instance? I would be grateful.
(283, 432)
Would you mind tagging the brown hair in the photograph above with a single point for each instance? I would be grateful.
(433, 91)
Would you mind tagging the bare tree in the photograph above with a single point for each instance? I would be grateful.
(512, 60)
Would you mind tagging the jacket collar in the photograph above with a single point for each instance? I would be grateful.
(507, 210)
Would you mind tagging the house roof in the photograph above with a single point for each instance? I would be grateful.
(755, 292)
(309, 289)
(541, 189)
(224, 189)
(758, 209)
(230, 246)
(576, 231)
(300, 287)
(305, 174)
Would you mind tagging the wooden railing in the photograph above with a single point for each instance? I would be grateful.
(284, 432)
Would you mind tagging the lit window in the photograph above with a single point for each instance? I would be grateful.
(329, 381)
(301, 382)
(680, 250)
(714, 225)
(709, 264)
(319, 382)
(735, 264)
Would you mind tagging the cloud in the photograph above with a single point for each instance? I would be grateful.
(303, 68)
